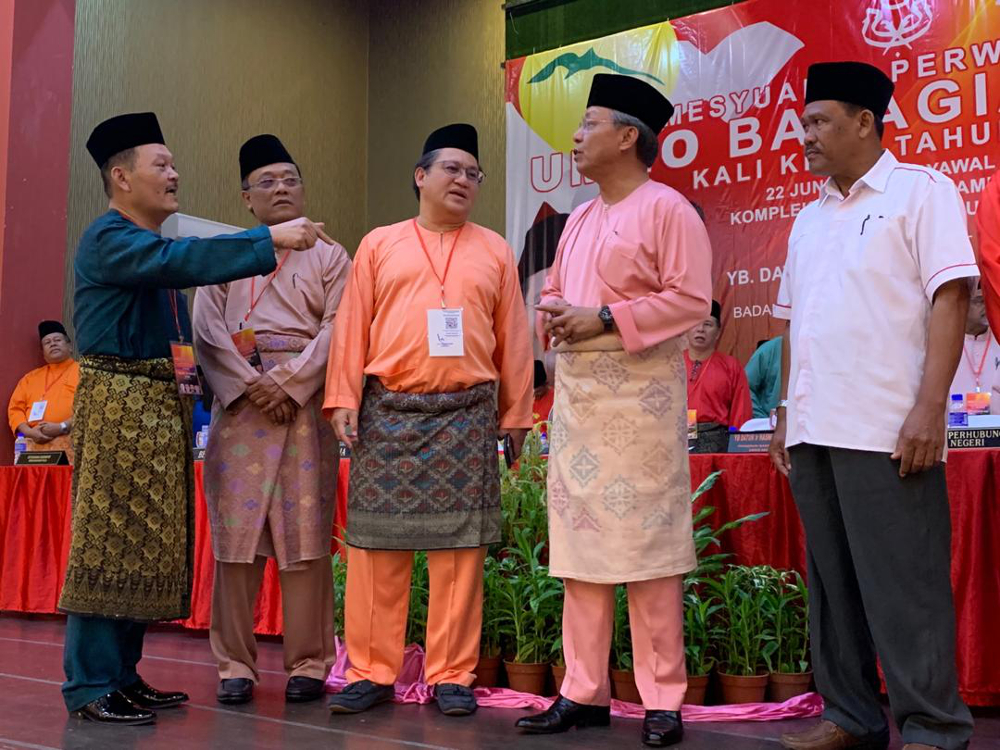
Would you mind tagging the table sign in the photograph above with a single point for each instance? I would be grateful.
(42, 458)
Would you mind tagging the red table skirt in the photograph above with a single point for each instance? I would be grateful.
(34, 537)
(34, 545)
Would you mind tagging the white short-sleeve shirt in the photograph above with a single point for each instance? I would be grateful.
(857, 287)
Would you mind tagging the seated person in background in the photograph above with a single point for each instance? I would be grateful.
(764, 377)
(41, 407)
(543, 394)
(979, 368)
(716, 384)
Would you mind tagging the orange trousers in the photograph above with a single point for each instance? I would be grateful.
(377, 603)
(656, 614)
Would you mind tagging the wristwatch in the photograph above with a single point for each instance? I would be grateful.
(783, 404)
(64, 427)
(606, 317)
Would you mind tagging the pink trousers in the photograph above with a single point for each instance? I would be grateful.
(656, 614)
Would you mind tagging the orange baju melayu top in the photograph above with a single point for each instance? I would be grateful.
(381, 326)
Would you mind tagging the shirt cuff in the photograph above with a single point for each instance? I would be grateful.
(339, 402)
(263, 249)
(950, 273)
(628, 331)
(781, 312)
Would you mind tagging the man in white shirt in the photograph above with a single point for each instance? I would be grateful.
(875, 289)
(979, 369)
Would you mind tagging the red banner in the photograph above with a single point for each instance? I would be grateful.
(734, 146)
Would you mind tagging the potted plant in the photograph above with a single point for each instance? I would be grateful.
(705, 535)
(339, 565)
(522, 494)
(488, 669)
(701, 630)
(416, 619)
(622, 671)
(530, 612)
(788, 608)
(747, 640)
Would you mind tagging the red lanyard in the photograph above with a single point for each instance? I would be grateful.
(48, 385)
(253, 302)
(177, 317)
(447, 265)
(977, 372)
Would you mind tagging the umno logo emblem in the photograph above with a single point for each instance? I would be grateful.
(896, 23)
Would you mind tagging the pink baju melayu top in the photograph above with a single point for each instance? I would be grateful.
(647, 257)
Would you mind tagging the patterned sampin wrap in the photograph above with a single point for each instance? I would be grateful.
(424, 471)
(619, 486)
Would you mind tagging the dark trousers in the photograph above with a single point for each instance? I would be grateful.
(100, 656)
(879, 558)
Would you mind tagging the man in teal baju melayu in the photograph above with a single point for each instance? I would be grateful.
(131, 553)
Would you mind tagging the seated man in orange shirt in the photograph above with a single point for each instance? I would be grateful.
(717, 385)
(41, 407)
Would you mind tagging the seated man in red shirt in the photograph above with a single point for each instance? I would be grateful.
(717, 386)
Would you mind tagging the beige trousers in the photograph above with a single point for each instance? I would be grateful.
(306, 607)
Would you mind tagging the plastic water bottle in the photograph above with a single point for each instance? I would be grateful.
(957, 415)
(20, 446)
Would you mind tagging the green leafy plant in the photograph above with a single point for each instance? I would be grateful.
(705, 535)
(522, 493)
(748, 643)
(416, 620)
(701, 631)
(621, 638)
(339, 565)
(492, 637)
(787, 606)
(530, 612)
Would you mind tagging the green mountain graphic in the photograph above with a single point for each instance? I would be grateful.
(575, 63)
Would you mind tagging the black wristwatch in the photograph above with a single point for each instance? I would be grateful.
(606, 317)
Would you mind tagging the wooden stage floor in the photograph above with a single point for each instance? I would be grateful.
(32, 715)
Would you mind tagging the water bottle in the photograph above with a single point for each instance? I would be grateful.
(957, 415)
(20, 446)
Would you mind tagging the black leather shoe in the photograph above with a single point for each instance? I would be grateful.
(360, 696)
(564, 714)
(662, 728)
(304, 689)
(141, 694)
(455, 700)
(234, 691)
(115, 708)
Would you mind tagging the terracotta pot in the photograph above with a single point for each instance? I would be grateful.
(487, 671)
(783, 687)
(697, 687)
(558, 673)
(623, 686)
(741, 689)
(527, 678)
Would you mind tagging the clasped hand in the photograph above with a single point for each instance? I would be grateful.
(570, 324)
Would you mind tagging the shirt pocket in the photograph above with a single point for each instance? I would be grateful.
(619, 262)
(881, 246)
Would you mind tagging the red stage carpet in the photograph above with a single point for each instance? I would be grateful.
(34, 526)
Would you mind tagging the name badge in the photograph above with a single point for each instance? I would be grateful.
(185, 369)
(37, 410)
(977, 402)
(445, 337)
(246, 344)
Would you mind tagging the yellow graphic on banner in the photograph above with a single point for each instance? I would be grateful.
(554, 85)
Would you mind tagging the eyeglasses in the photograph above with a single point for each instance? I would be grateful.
(454, 170)
(269, 183)
(587, 125)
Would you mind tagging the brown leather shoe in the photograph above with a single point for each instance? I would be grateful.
(828, 736)
(919, 746)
